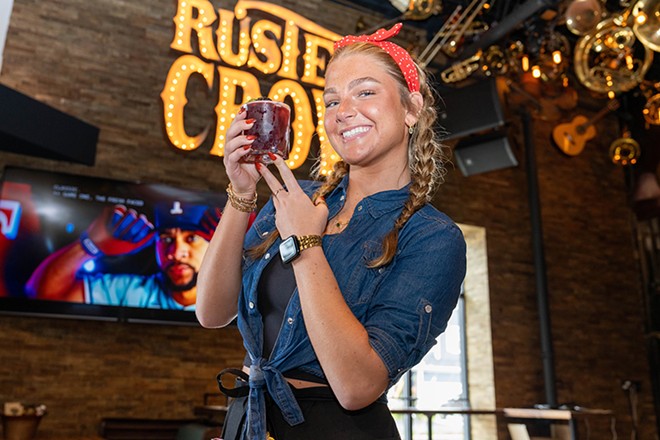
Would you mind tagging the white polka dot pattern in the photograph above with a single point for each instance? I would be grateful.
(398, 53)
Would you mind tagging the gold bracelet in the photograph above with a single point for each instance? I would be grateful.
(242, 204)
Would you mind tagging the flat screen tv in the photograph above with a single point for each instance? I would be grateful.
(94, 248)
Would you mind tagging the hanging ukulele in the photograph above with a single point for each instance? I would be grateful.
(570, 137)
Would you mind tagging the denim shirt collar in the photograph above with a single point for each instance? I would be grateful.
(376, 204)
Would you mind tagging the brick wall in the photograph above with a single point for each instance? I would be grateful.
(105, 62)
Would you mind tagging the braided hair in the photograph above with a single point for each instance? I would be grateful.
(427, 156)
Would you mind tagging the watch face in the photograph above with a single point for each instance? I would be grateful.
(289, 249)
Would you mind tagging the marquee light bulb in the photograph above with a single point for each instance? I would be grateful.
(225, 52)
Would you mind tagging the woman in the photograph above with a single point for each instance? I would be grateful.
(372, 270)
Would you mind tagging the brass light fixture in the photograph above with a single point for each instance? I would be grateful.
(624, 150)
(581, 16)
(646, 25)
(605, 59)
(417, 9)
(651, 110)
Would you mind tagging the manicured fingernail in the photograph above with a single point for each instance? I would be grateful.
(241, 110)
(272, 156)
(257, 165)
(250, 121)
(251, 137)
(246, 147)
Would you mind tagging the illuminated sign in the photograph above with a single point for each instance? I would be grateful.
(239, 51)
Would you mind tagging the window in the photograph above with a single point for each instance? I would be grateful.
(458, 371)
(439, 380)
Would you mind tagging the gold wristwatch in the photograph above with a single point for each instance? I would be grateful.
(291, 248)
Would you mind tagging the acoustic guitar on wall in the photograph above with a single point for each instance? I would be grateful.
(570, 137)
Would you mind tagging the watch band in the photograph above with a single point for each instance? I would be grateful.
(308, 241)
(291, 248)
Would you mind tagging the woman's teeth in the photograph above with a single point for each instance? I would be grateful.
(354, 131)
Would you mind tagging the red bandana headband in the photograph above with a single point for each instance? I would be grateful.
(398, 53)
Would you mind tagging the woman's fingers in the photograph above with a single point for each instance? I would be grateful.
(235, 137)
(287, 175)
(289, 180)
(242, 175)
(296, 214)
(238, 124)
(270, 179)
(243, 150)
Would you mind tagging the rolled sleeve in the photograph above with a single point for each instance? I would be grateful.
(415, 300)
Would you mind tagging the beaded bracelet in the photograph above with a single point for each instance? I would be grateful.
(242, 204)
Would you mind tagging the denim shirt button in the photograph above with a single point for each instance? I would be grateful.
(267, 256)
(342, 198)
(263, 234)
(428, 308)
(289, 320)
(251, 305)
(380, 270)
(360, 208)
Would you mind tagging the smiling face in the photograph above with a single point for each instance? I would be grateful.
(366, 120)
(179, 254)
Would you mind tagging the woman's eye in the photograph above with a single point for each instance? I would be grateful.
(330, 104)
(366, 93)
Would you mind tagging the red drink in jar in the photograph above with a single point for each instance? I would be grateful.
(271, 126)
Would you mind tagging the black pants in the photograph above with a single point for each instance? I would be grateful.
(325, 419)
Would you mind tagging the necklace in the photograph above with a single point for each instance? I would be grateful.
(341, 225)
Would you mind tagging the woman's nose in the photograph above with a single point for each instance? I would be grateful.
(345, 110)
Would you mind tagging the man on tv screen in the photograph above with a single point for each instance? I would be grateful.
(180, 234)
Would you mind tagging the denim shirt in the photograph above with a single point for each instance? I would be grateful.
(404, 305)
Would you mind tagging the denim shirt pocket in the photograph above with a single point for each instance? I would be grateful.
(362, 282)
(264, 226)
(260, 230)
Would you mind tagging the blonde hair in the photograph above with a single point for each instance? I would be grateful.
(427, 156)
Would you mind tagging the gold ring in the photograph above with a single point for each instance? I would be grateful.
(278, 191)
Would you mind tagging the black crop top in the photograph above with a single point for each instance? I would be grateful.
(274, 291)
